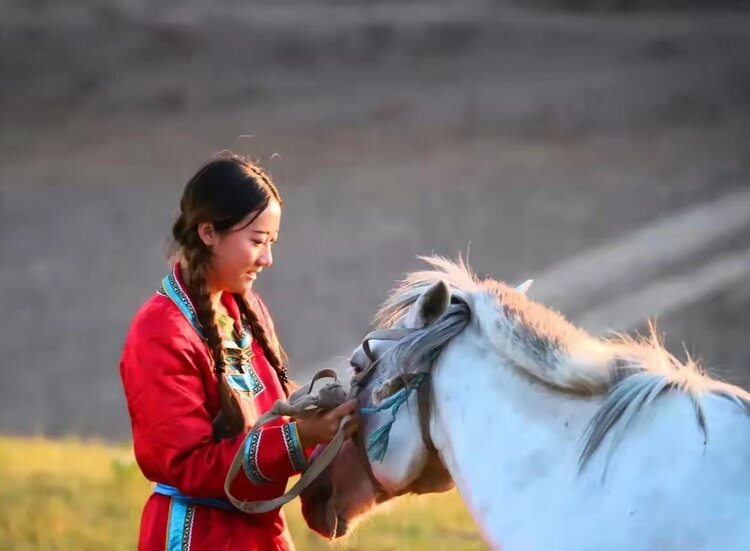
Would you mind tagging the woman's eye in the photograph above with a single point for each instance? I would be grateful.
(263, 242)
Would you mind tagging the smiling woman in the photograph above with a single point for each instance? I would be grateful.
(201, 364)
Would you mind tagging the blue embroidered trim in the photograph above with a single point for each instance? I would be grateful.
(173, 290)
(237, 356)
(240, 356)
(247, 383)
(293, 446)
(250, 465)
(179, 525)
(245, 339)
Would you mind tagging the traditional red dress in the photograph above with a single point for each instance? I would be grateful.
(173, 396)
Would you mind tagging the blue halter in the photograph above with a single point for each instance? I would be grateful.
(378, 440)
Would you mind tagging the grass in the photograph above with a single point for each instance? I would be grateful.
(68, 495)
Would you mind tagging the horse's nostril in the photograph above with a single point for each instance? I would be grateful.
(342, 527)
(332, 520)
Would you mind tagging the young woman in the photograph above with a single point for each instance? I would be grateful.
(201, 363)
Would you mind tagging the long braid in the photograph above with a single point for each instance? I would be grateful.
(197, 260)
(271, 351)
(230, 421)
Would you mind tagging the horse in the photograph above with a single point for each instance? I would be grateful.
(554, 438)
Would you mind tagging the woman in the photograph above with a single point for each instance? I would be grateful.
(201, 363)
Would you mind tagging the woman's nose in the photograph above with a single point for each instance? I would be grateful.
(266, 257)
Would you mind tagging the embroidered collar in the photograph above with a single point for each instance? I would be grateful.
(173, 287)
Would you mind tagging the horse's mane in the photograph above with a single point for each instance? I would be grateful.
(546, 347)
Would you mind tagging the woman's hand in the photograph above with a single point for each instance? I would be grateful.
(322, 427)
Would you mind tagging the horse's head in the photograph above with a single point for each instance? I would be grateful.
(404, 461)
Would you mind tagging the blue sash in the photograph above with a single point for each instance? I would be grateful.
(171, 491)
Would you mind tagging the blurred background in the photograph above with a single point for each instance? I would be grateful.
(598, 146)
(541, 140)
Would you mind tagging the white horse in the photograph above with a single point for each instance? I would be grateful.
(556, 440)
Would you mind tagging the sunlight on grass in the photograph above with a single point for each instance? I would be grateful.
(69, 495)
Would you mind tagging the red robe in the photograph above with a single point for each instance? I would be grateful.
(172, 396)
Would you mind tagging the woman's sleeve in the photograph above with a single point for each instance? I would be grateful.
(172, 428)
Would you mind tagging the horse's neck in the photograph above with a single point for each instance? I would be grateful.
(512, 449)
(500, 435)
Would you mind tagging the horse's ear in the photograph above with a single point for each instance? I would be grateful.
(430, 306)
(523, 287)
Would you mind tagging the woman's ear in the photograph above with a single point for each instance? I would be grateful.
(207, 233)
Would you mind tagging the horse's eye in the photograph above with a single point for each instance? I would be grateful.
(356, 368)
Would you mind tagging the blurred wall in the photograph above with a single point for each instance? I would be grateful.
(524, 138)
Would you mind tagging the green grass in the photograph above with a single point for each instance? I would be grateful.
(69, 495)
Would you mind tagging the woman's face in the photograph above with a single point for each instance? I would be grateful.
(244, 250)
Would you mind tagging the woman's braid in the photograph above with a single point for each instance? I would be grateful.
(271, 350)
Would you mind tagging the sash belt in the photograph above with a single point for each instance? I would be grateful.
(171, 491)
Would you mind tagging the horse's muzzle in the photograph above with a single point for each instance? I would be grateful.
(318, 510)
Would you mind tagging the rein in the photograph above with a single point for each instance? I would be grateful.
(302, 404)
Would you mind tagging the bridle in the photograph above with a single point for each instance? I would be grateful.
(303, 403)
(424, 395)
